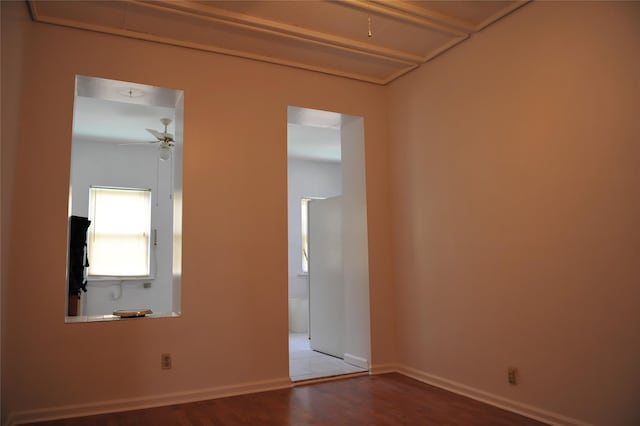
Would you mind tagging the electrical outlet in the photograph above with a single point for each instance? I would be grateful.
(165, 361)
(512, 375)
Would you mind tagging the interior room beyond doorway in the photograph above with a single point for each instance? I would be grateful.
(328, 292)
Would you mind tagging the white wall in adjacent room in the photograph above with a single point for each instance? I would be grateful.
(98, 163)
(305, 178)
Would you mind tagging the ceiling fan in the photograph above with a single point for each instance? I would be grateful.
(164, 139)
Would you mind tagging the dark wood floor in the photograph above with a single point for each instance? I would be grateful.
(388, 399)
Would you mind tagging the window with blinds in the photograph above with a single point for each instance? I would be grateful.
(119, 235)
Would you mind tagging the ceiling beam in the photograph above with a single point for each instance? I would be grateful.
(212, 13)
(405, 15)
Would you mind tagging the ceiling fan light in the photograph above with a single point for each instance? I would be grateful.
(165, 153)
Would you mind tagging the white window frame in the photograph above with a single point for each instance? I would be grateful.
(116, 221)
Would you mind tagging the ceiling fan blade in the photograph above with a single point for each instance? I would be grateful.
(137, 143)
(155, 133)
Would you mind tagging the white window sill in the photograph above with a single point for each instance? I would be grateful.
(106, 278)
(96, 318)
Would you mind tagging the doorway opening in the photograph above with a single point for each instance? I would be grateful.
(328, 246)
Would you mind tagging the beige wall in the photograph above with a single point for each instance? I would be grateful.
(234, 324)
(12, 37)
(516, 181)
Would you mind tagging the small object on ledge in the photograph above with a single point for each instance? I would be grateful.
(132, 313)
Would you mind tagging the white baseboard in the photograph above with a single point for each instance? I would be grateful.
(117, 405)
(315, 380)
(383, 368)
(356, 360)
(491, 399)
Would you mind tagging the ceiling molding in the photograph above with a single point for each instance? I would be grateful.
(323, 36)
(284, 30)
(404, 12)
(436, 17)
(500, 14)
(448, 21)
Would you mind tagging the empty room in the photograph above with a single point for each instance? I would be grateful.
(484, 266)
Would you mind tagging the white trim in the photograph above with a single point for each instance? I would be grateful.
(117, 405)
(313, 380)
(384, 368)
(356, 360)
(491, 399)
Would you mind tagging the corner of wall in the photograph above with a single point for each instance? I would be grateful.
(15, 18)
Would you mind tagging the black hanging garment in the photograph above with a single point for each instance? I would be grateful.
(78, 256)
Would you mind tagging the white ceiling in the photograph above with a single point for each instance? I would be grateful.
(324, 36)
(117, 122)
(313, 143)
(313, 134)
(119, 112)
(122, 91)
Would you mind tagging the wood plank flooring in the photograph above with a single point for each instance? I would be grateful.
(388, 399)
